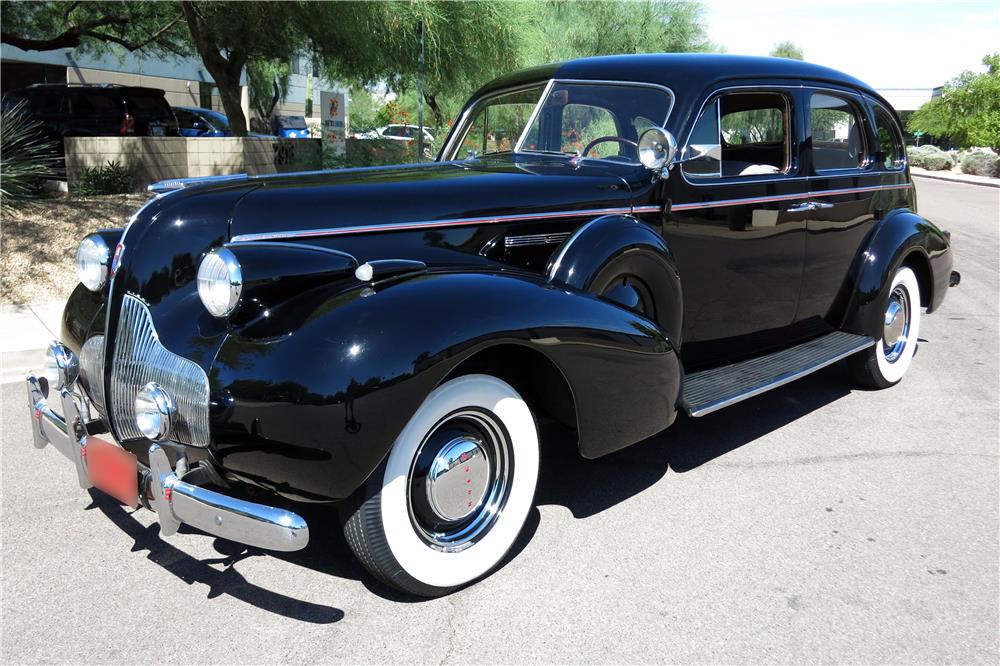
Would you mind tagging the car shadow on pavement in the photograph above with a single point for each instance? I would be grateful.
(192, 570)
(587, 487)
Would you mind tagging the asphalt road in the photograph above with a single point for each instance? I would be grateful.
(815, 523)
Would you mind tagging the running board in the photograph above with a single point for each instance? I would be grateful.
(710, 390)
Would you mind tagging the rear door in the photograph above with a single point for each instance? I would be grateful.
(737, 224)
(153, 116)
(844, 183)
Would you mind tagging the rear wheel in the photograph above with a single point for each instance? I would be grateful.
(885, 364)
(454, 492)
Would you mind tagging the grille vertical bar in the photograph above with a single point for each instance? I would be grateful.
(140, 358)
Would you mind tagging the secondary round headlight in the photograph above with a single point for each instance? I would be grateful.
(220, 282)
(155, 412)
(92, 262)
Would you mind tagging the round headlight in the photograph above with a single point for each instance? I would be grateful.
(92, 262)
(62, 367)
(220, 282)
(155, 412)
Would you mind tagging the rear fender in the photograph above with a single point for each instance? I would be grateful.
(901, 237)
(312, 413)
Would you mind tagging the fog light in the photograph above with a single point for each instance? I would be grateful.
(62, 367)
(155, 412)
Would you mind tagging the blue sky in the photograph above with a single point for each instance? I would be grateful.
(887, 43)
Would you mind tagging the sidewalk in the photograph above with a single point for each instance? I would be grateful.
(25, 332)
(955, 177)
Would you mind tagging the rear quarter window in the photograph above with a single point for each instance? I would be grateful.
(148, 105)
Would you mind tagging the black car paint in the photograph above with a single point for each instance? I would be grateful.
(312, 379)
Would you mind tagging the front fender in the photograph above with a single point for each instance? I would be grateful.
(311, 413)
(902, 236)
(616, 245)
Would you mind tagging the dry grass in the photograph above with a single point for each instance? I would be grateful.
(38, 243)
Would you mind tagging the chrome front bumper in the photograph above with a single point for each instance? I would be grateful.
(173, 500)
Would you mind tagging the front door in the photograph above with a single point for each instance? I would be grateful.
(737, 225)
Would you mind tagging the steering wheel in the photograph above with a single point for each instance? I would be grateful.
(605, 139)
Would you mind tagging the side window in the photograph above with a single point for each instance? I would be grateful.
(890, 142)
(582, 123)
(837, 135)
(741, 134)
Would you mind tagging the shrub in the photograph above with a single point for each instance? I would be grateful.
(929, 157)
(27, 157)
(980, 164)
(112, 178)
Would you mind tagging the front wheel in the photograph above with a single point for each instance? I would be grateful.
(454, 492)
(885, 364)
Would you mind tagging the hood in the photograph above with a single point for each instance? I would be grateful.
(382, 199)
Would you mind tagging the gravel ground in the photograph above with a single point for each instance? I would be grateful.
(39, 242)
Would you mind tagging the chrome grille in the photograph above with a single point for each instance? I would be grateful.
(92, 371)
(139, 358)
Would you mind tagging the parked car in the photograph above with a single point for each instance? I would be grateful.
(195, 121)
(403, 133)
(97, 110)
(394, 340)
(291, 127)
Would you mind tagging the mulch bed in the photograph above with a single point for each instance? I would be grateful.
(38, 243)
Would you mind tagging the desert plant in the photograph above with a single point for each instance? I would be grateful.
(111, 178)
(929, 157)
(27, 157)
(980, 164)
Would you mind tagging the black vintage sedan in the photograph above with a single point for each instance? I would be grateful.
(601, 244)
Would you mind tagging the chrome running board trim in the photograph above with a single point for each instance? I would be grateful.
(711, 390)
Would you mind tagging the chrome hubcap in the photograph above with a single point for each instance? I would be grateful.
(896, 325)
(460, 480)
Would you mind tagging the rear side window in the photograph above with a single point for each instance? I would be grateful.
(95, 104)
(741, 134)
(890, 141)
(149, 106)
(837, 135)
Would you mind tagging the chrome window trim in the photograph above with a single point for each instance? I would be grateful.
(903, 164)
(601, 82)
(735, 180)
(451, 147)
(723, 203)
(790, 164)
(868, 162)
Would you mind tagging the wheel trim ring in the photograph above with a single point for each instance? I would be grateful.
(474, 527)
(898, 306)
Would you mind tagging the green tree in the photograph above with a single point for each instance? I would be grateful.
(268, 82)
(968, 110)
(787, 49)
(94, 26)
(564, 29)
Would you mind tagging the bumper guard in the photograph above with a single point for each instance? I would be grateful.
(173, 500)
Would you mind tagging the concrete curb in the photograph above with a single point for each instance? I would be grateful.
(953, 178)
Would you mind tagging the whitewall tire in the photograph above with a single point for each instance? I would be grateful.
(885, 364)
(454, 492)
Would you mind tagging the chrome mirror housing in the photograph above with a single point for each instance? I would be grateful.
(657, 149)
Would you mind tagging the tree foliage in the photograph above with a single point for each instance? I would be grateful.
(94, 26)
(968, 111)
(787, 49)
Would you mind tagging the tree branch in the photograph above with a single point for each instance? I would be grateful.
(133, 46)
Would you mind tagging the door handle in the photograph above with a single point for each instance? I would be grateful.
(806, 206)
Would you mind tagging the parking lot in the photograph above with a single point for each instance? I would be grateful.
(815, 523)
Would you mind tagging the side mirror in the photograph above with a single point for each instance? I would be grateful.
(657, 149)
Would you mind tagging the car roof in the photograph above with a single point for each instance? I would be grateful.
(670, 69)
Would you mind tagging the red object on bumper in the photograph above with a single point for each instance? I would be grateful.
(114, 470)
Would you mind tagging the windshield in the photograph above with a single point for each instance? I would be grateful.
(570, 118)
(216, 119)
